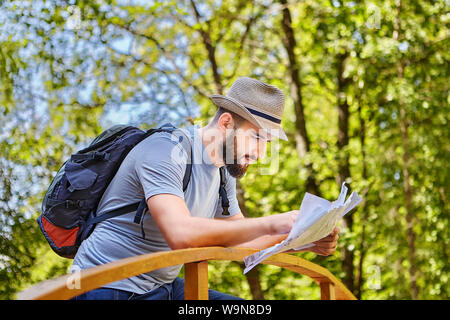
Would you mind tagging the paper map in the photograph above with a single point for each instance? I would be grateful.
(317, 219)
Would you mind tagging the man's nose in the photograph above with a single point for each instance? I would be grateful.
(255, 155)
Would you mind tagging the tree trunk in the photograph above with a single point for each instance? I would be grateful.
(406, 159)
(210, 49)
(408, 203)
(359, 278)
(303, 142)
(255, 283)
(343, 160)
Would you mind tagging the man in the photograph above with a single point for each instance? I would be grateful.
(248, 117)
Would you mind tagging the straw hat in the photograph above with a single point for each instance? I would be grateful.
(260, 103)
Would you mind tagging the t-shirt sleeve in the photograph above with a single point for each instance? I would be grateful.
(230, 187)
(160, 166)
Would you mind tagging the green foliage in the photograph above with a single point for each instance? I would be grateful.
(68, 69)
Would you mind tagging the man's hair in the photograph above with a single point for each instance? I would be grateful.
(238, 120)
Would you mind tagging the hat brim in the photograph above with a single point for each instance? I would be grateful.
(239, 108)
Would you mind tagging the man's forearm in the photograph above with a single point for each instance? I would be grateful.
(200, 232)
(263, 242)
(181, 230)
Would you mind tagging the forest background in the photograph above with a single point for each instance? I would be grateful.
(367, 102)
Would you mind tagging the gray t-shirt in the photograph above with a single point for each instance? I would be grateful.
(155, 166)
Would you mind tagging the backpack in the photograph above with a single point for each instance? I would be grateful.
(69, 209)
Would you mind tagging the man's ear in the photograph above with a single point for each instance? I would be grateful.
(225, 122)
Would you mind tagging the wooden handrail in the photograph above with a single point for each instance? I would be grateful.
(196, 273)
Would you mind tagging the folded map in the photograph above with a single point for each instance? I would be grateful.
(317, 219)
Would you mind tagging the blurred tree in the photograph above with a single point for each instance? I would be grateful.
(367, 102)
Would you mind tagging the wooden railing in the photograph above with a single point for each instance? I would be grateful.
(196, 273)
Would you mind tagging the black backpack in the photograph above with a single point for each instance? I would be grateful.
(69, 209)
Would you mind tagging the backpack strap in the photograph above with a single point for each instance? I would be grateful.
(114, 213)
(93, 155)
(223, 192)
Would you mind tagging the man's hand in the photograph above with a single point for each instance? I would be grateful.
(326, 246)
(282, 223)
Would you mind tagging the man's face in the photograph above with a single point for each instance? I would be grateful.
(243, 146)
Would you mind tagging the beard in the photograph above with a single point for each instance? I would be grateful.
(234, 168)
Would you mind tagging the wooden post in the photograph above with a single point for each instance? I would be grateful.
(327, 291)
(196, 280)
